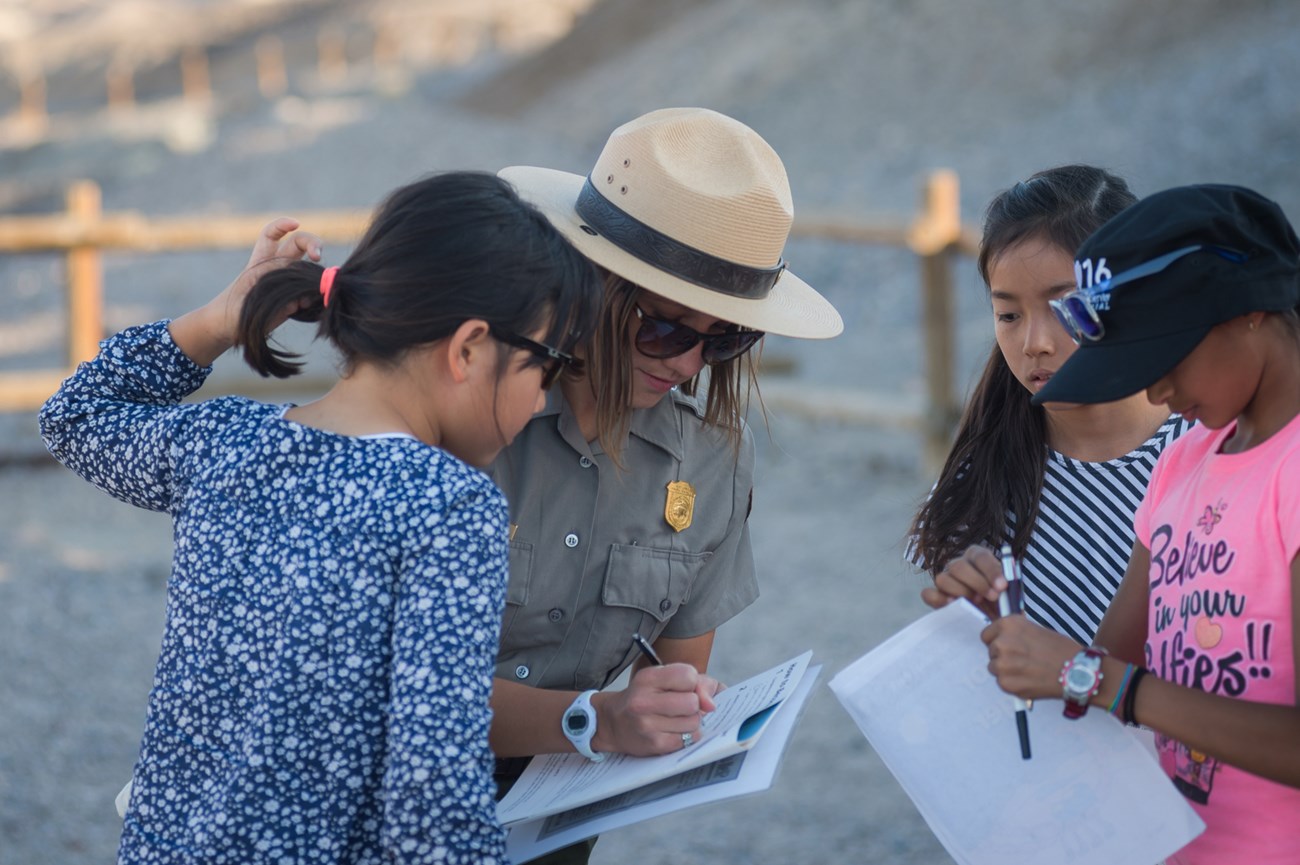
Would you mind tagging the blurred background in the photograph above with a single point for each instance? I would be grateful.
(202, 111)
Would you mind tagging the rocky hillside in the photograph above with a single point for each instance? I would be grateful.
(861, 98)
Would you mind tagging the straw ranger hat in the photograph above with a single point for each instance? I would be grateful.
(693, 206)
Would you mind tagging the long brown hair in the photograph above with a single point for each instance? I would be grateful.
(989, 486)
(727, 386)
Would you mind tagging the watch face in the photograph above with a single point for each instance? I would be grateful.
(575, 723)
(1079, 678)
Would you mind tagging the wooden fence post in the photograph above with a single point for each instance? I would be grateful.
(85, 277)
(933, 238)
(272, 80)
(331, 55)
(196, 82)
(121, 84)
(31, 106)
(387, 46)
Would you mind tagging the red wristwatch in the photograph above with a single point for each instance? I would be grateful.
(1080, 680)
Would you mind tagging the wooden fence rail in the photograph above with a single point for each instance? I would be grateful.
(83, 232)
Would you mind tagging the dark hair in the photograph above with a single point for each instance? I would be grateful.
(445, 249)
(727, 385)
(994, 472)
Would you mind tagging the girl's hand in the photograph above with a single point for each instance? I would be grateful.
(207, 332)
(976, 576)
(1026, 658)
(279, 244)
(651, 714)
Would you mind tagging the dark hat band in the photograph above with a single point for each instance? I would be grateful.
(671, 256)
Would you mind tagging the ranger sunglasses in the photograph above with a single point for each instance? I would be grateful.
(659, 338)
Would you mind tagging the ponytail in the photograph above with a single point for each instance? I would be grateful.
(297, 283)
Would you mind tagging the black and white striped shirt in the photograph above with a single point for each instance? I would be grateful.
(1080, 545)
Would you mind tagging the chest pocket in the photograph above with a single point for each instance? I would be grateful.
(655, 581)
(521, 571)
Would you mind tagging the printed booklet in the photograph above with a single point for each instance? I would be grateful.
(563, 798)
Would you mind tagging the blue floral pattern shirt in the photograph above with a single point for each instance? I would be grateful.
(333, 611)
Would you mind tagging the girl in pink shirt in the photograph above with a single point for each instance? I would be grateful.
(1191, 295)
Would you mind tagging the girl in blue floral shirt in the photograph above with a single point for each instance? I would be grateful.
(333, 610)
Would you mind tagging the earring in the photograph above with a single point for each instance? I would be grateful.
(1252, 325)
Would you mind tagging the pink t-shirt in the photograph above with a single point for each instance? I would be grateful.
(1222, 530)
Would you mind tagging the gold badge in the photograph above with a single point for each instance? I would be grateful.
(680, 506)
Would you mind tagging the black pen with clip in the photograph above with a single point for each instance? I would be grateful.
(1009, 604)
(647, 649)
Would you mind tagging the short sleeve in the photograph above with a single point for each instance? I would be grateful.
(727, 583)
(1288, 511)
(1155, 489)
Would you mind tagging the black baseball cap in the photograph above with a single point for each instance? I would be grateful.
(1163, 272)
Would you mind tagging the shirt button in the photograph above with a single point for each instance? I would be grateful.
(570, 540)
(555, 615)
(521, 672)
(665, 605)
(585, 462)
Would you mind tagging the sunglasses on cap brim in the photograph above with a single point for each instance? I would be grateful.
(660, 338)
(1076, 312)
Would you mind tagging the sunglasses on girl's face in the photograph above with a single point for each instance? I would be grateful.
(553, 360)
(659, 338)
(1079, 317)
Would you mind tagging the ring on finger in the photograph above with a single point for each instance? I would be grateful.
(687, 740)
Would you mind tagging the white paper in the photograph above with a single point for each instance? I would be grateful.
(123, 800)
(1092, 793)
(749, 771)
(560, 782)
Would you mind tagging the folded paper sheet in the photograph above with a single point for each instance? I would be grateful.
(1092, 793)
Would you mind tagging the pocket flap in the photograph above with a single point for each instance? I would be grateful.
(655, 581)
(521, 571)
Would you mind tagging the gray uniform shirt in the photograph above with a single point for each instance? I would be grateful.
(593, 559)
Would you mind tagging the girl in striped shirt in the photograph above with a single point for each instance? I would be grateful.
(1059, 484)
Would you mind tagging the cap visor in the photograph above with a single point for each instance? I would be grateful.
(1109, 371)
(792, 308)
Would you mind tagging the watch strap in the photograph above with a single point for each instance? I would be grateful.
(1074, 710)
(581, 708)
(1076, 702)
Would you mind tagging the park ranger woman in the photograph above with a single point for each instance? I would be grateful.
(630, 492)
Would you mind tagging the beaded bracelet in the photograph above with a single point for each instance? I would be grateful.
(1130, 698)
(1119, 695)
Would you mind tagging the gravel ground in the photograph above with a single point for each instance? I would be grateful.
(861, 98)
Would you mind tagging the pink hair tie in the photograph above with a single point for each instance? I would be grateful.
(327, 284)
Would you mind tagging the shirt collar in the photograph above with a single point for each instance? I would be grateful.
(660, 425)
(554, 403)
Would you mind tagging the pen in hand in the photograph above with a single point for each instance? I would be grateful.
(647, 649)
(1009, 604)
